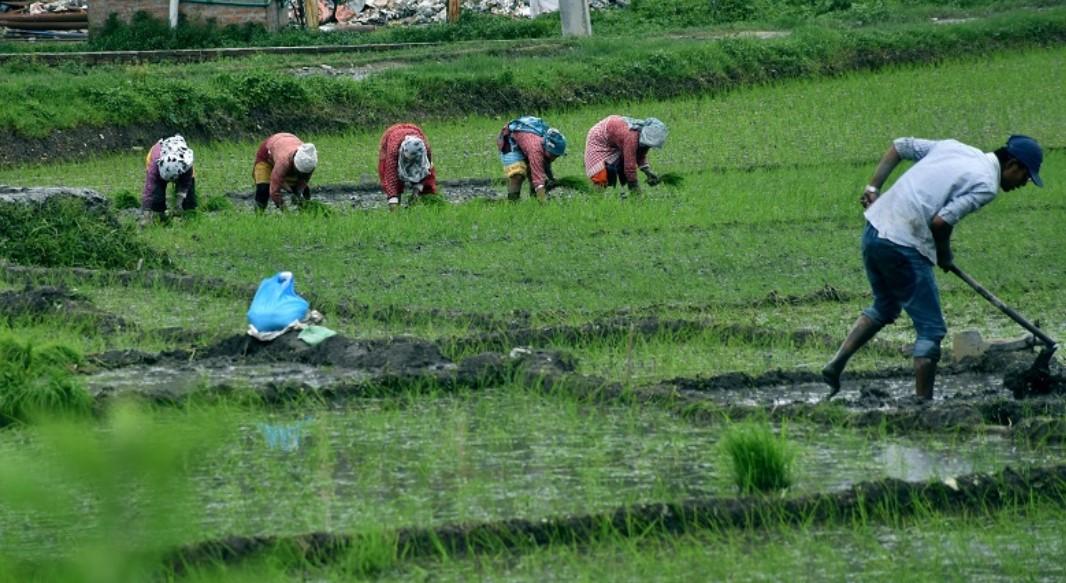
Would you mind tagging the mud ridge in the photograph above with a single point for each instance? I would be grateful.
(646, 327)
(904, 418)
(368, 195)
(37, 303)
(882, 500)
(145, 278)
(287, 369)
(353, 309)
(220, 287)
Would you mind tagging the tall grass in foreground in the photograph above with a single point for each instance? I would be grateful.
(123, 489)
(760, 460)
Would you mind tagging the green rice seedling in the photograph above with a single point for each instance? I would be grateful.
(674, 179)
(314, 208)
(37, 381)
(125, 199)
(577, 183)
(216, 203)
(428, 200)
(760, 460)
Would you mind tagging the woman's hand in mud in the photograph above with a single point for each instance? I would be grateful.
(867, 199)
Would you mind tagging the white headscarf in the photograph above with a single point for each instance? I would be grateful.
(652, 131)
(413, 162)
(306, 158)
(175, 158)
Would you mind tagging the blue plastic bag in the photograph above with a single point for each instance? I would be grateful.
(285, 437)
(276, 304)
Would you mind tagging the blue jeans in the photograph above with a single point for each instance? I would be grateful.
(902, 279)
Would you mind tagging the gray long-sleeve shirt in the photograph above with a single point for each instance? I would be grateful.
(950, 179)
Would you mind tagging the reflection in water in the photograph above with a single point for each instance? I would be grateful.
(914, 464)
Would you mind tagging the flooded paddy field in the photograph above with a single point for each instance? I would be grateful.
(498, 454)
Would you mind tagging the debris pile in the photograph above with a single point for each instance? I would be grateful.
(382, 12)
(43, 19)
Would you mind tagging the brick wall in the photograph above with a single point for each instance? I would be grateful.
(273, 16)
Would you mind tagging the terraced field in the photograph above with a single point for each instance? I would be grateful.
(525, 391)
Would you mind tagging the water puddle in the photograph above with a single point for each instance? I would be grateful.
(863, 393)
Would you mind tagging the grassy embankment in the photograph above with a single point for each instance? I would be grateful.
(769, 206)
(108, 107)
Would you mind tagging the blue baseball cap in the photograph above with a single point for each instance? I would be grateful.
(1029, 153)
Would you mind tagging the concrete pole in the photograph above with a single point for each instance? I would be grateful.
(575, 16)
(453, 11)
(173, 14)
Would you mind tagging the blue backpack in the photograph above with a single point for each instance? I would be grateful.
(554, 142)
(276, 304)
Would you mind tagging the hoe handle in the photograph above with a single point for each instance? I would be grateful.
(1003, 307)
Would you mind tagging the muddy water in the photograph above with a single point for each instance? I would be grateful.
(864, 393)
(180, 381)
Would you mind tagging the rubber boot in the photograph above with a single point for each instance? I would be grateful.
(861, 333)
(514, 188)
(924, 378)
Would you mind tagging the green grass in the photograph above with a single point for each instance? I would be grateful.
(768, 207)
(1018, 543)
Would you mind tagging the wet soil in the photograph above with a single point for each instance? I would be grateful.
(38, 303)
(886, 499)
(366, 196)
(967, 398)
(515, 323)
(287, 367)
(354, 73)
(83, 142)
(147, 278)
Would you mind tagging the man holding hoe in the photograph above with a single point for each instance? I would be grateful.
(908, 230)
